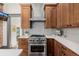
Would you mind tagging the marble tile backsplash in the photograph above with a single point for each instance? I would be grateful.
(50, 31)
(72, 34)
(37, 28)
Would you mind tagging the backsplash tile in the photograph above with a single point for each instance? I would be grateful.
(72, 34)
(37, 28)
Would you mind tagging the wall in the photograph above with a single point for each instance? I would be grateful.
(37, 28)
(12, 8)
(14, 11)
(72, 34)
(50, 31)
(15, 22)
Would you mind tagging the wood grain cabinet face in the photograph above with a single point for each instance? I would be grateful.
(67, 15)
(25, 14)
(50, 47)
(76, 14)
(64, 15)
(23, 44)
(50, 14)
(54, 48)
(57, 48)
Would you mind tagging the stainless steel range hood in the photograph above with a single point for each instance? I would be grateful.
(37, 11)
(37, 20)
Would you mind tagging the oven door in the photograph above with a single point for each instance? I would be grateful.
(37, 48)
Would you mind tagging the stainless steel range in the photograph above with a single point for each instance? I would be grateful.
(37, 45)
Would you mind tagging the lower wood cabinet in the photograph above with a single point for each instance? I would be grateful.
(67, 52)
(23, 44)
(61, 50)
(57, 48)
(50, 47)
(54, 48)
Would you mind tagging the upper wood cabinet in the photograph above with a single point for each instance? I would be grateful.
(76, 14)
(25, 14)
(57, 48)
(50, 14)
(64, 14)
(67, 15)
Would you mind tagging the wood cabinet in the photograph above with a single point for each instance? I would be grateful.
(64, 15)
(61, 50)
(67, 52)
(57, 48)
(51, 16)
(50, 47)
(25, 15)
(23, 44)
(67, 15)
(76, 14)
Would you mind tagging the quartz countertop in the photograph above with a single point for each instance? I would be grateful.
(74, 46)
(24, 36)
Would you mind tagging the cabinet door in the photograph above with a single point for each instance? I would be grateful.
(57, 48)
(71, 14)
(50, 47)
(25, 16)
(63, 15)
(51, 18)
(76, 14)
(59, 22)
(23, 44)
